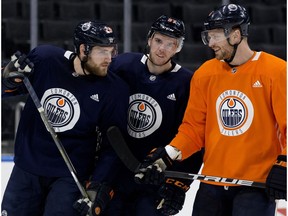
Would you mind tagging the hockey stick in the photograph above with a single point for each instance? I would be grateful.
(131, 162)
(54, 135)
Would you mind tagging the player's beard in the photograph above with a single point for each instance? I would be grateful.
(223, 54)
(95, 69)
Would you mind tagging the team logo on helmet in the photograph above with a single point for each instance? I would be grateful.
(232, 7)
(86, 26)
(144, 115)
(171, 20)
(235, 113)
(62, 108)
(107, 29)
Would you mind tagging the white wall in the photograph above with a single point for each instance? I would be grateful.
(6, 168)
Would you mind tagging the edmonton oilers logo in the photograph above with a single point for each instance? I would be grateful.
(234, 113)
(62, 108)
(144, 115)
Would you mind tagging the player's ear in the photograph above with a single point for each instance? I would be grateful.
(82, 51)
(149, 41)
(236, 36)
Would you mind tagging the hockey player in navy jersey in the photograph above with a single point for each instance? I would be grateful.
(81, 101)
(159, 93)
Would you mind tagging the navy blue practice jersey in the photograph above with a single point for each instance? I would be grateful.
(78, 107)
(157, 102)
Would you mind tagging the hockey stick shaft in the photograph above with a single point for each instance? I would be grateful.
(131, 162)
(232, 181)
(51, 130)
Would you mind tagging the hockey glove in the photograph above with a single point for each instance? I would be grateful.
(99, 194)
(152, 167)
(16, 70)
(173, 193)
(276, 182)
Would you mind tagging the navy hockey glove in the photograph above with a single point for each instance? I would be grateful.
(173, 193)
(276, 182)
(16, 70)
(152, 167)
(99, 194)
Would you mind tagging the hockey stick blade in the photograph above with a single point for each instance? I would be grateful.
(122, 150)
(131, 162)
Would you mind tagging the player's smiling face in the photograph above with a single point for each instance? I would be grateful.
(98, 60)
(218, 42)
(162, 48)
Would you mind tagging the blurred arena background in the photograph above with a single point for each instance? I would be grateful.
(28, 23)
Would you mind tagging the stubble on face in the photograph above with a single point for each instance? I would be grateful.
(222, 51)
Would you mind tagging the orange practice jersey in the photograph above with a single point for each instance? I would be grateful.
(238, 115)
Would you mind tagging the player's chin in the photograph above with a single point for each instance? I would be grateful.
(219, 56)
(103, 68)
(104, 72)
(101, 72)
(161, 61)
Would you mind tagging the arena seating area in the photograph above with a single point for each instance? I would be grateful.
(57, 19)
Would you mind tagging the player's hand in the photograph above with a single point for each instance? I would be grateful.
(16, 70)
(152, 167)
(99, 197)
(173, 193)
(276, 182)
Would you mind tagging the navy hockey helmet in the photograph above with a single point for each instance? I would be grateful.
(170, 27)
(228, 17)
(93, 33)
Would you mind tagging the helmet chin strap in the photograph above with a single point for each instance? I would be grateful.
(235, 46)
(85, 58)
(83, 62)
(82, 66)
(145, 53)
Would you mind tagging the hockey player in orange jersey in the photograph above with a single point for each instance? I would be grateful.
(237, 112)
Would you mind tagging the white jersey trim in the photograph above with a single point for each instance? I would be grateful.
(256, 57)
(67, 54)
(144, 59)
(176, 68)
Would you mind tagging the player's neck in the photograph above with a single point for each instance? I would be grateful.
(243, 54)
(77, 66)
